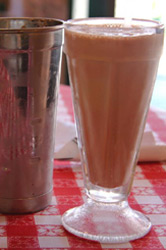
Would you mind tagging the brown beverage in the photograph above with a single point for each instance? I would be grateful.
(112, 75)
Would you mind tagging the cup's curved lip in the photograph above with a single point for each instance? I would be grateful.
(104, 20)
(44, 24)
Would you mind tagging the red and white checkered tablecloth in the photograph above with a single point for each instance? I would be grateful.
(43, 230)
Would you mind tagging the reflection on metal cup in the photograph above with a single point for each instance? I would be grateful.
(30, 60)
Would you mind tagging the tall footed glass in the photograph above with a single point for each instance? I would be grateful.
(112, 68)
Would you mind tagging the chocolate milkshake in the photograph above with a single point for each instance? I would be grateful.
(112, 72)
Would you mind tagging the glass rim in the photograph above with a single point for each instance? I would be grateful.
(104, 20)
(29, 24)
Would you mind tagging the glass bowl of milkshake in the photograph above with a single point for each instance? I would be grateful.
(112, 69)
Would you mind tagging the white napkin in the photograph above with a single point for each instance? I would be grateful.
(65, 143)
(66, 147)
(151, 149)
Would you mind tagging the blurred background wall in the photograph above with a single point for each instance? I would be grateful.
(43, 8)
(61, 9)
(65, 9)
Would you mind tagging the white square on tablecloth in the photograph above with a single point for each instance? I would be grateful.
(3, 221)
(164, 167)
(60, 242)
(157, 219)
(163, 241)
(53, 201)
(47, 219)
(3, 242)
(138, 168)
(148, 199)
(80, 183)
(142, 183)
(117, 246)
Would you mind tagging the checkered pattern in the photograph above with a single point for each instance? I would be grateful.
(43, 230)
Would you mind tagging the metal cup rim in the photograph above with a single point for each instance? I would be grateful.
(47, 24)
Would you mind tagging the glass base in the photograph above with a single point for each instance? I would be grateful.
(106, 222)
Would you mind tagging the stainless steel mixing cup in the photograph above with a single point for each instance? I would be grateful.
(30, 60)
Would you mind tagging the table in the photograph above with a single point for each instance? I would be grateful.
(43, 230)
